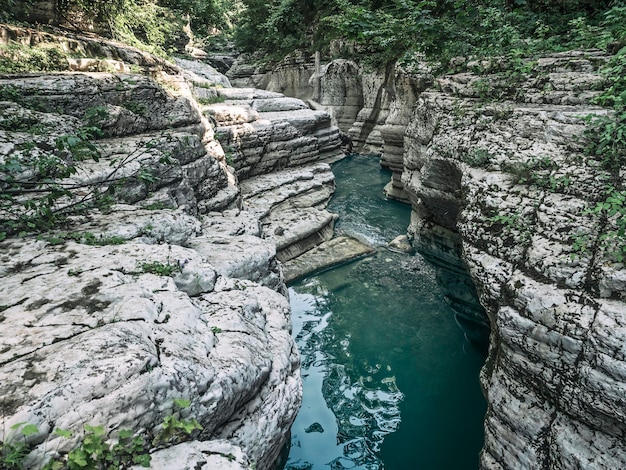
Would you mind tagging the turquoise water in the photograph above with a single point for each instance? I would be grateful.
(389, 379)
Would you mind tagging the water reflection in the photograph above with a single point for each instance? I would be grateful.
(389, 381)
(350, 406)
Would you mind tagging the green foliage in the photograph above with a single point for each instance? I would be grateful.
(22, 124)
(86, 238)
(146, 25)
(12, 454)
(136, 108)
(19, 58)
(213, 100)
(30, 181)
(160, 269)
(612, 212)
(174, 429)
(535, 171)
(7, 9)
(511, 221)
(606, 137)
(379, 32)
(278, 27)
(37, 191)
(477, 157)
(206, 15)
(615, 206)
(95, 453)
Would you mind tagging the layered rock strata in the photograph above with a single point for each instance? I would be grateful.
(170, 293)
(276, 145)
(264, 132)
(289, 77)
(371, 107)
(508, 183)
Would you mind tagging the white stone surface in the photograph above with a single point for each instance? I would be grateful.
(511, 177)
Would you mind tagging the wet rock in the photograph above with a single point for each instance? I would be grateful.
(331, 253)
(315, 427)
(401, 244)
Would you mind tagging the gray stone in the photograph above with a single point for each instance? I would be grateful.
(475, 171)
(326, 255)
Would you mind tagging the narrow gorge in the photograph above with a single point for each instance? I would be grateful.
(502, 190)
(159, 308)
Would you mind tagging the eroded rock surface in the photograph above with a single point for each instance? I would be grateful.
(496, 173)
(264, 132)
(97, 338)
(170, 293)
(275, 145)
(508, 185)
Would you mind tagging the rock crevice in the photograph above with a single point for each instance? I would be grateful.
(500, 185)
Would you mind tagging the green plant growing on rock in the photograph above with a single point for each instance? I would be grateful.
(174, 429)
(158, 268)
(39, 187)
(535, 171)
(139, 109)
(12, 454)
(606, 137)
(212, 100)
(611, 209)
(86, 238)
(511, 221)
(515, 225)
(95, 453)
(477, 157)
(30, 179)
(96, 116)
(20, 58)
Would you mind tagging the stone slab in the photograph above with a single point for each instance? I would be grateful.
(327, 255)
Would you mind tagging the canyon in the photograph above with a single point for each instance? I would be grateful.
(495, 167)
(192, 304)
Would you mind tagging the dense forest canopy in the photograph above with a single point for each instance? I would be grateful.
(379, 31)
(386, 30)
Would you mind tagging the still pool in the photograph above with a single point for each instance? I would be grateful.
(389, 380)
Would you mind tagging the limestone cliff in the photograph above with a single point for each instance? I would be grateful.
(500, 185)
(172, 289)
(513, 179)
(371, 107)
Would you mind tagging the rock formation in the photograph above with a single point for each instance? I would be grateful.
(174, 291)
(371, 107)
(510, 181)
(495, 168)
(278, 148)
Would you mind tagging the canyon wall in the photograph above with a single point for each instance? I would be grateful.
(493, 162)
(504, 165)
(170, 288)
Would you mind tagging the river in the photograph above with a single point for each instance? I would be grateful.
(390, 382)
